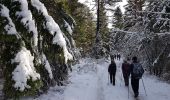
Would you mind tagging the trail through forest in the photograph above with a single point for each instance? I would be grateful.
(89, 81)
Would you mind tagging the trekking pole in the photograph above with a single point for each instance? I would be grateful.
(128, 91)
(128, 88)
(108, 79)
(144, 86)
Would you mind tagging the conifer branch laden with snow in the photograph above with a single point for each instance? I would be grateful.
(25, 70)
(10, 27)
(53, 28)
(29, 66)
(25, 16)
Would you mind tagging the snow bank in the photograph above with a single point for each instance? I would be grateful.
(47, 66)
(10, 27)
(27, 19)
(53, 28)
(25, 69)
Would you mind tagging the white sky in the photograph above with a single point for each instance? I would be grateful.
(91, 4)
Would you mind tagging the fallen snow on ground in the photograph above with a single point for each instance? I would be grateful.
(89, 81)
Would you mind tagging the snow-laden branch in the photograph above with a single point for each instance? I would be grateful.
(151, 12)
(163, 19)
(53, 28)
(165, 33)
(47, 66)
(25, 70)
(68, 28)
(10, 27)
(128, 32)
(26, 19)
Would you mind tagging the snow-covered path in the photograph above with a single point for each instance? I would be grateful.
(89, 81)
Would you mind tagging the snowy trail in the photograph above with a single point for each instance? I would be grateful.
(89, 81)
(119, 91)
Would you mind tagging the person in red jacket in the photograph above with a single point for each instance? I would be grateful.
(112, 71)
(126, 72)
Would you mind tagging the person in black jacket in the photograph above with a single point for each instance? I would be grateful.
(112, 71)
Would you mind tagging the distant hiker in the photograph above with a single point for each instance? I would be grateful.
(136, 74)
(126, 72)
(112, 71)
(115, 56)
(119, 56)
(128, 60)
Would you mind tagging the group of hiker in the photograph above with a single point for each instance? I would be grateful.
(133, 69)
(117, 56)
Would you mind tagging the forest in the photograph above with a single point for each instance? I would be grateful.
(40, 40)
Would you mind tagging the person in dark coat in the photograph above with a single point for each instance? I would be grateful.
(134, 79)
(115, 56)
(112, 71)
(126, 72)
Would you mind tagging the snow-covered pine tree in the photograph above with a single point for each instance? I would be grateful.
(117, 23)
(131, 12)
(118, 18)
(84, 34)
(35, 51)
(102, 31)
(157, 21)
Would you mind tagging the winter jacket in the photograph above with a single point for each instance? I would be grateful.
(126, 69)
(112, 68)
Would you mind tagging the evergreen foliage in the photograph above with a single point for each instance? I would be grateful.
(33, 34)
(84, 32)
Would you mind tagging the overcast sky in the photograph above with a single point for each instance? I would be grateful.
(90, 4)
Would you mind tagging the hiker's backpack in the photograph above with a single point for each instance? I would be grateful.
(137, 70)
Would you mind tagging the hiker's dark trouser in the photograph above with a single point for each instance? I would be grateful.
(112, 78)
(135, 85)
(126, 79)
